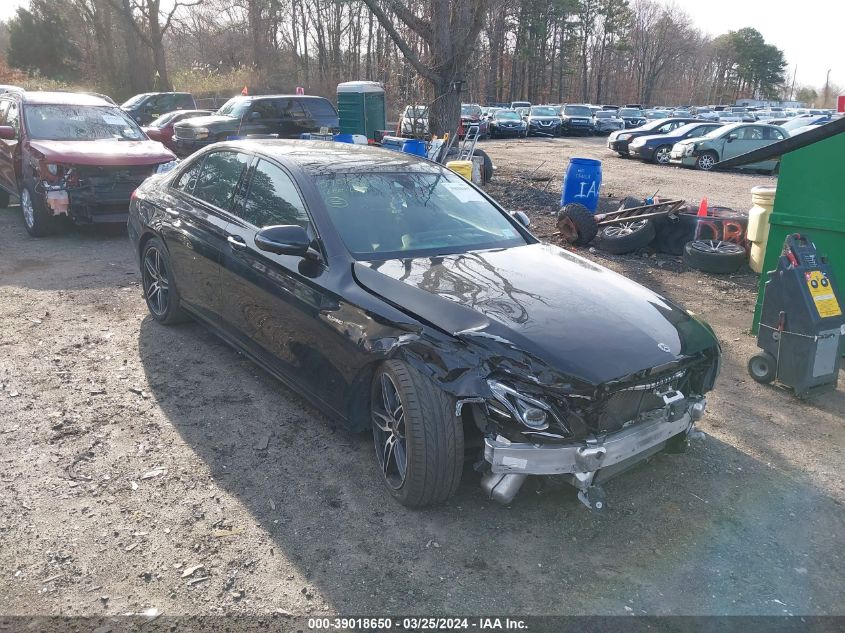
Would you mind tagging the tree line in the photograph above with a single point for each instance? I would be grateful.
(437, 52)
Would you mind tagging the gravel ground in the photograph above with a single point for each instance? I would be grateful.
(151, 467)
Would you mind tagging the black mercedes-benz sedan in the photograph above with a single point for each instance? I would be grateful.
(401, 299)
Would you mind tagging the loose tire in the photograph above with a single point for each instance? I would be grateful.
(4, 199)
(662, 154)
(626, 237)
(577, 225)
(707, 161)
(419, 440)
(762, 367)
(714, 256)
(160, 292)
(36, 217)
(486, 166)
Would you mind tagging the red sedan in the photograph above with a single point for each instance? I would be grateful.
(162, 128)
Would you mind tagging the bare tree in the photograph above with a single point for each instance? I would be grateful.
(450, 29)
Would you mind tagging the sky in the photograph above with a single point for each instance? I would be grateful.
(809, 32)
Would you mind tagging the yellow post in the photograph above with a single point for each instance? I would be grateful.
(763, 199)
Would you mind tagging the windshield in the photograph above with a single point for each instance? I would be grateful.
(389, 215)
(470, 110)
(134, 100)
(658, 114)
(630, 112)
(543, 111)
(719, 131)
(80, 123)
(164, 119)
(416, 111)
(604, 114)
(577, 111)
(235, 107)
(510, 115)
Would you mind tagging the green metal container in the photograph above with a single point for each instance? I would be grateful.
(361, 108)
(810, 200)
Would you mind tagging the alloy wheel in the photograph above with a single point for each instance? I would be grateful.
(717, 246)
(706, 162)
(28, 209)
(388, 415)
(156, 284)
(625, 228)
(662, 155)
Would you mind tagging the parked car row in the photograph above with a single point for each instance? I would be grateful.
(79, 156)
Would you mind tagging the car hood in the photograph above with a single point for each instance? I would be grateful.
(544, 118)
(104, 152)
(564, 312)
(216, 120)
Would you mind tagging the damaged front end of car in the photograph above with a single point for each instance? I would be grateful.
(585, 435)
(89, 193)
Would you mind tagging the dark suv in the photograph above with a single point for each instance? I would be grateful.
(278, 116)
(576, 119)
(72, 155)
(148, 106)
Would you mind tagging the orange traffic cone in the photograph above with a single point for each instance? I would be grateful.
(702, 208)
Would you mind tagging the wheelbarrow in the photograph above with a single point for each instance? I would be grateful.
(578, 226)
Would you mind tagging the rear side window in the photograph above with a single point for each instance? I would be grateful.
(291, 109)
(273, 199)
(184, 101)
(320, 108)
(219, 178)
(188, 178)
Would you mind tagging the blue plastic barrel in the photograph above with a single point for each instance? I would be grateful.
(343, 138)
(414, 146)
(581, 183)
(393, 142)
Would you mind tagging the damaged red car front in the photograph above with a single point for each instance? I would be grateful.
(72, 155)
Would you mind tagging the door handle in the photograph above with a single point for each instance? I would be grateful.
(235, 241)
(173, 213)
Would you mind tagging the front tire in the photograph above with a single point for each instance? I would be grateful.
(662, 154)
(419, 441)
(160, 293)
(36, 217)
(707, 161)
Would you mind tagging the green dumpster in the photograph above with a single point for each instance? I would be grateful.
(810, 196)
(361, 108)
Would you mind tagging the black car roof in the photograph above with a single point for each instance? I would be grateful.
(328, 157)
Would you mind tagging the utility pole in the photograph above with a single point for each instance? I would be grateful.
(792, 88)
(826, 89)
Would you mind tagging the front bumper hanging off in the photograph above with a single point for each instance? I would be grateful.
(586, 464)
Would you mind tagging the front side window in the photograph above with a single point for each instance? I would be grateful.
(219, 177)
(273, 199)
(80, 123)
(292, 109)
(389, 215)
(187, 180)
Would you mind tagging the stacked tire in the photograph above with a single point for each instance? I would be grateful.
(628, 236)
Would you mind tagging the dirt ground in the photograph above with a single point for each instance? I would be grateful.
(151, 467)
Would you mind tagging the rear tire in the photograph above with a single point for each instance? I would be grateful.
(577, 224)
(159, 285)
(762, 367)
(419, 440)
(714, 256)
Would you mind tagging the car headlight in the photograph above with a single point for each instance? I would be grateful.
(623, 137)
(163, 168)
(528, 410)
(201, 132)
(53, 168)
(637, 142)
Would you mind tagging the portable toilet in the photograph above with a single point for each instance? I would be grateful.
(361, 108)
(809, 196)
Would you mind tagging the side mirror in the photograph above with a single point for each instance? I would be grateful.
(289, 239)
(8, 133)
(732, 137)
(521, 217)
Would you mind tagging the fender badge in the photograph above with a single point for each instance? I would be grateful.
(664, 347)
